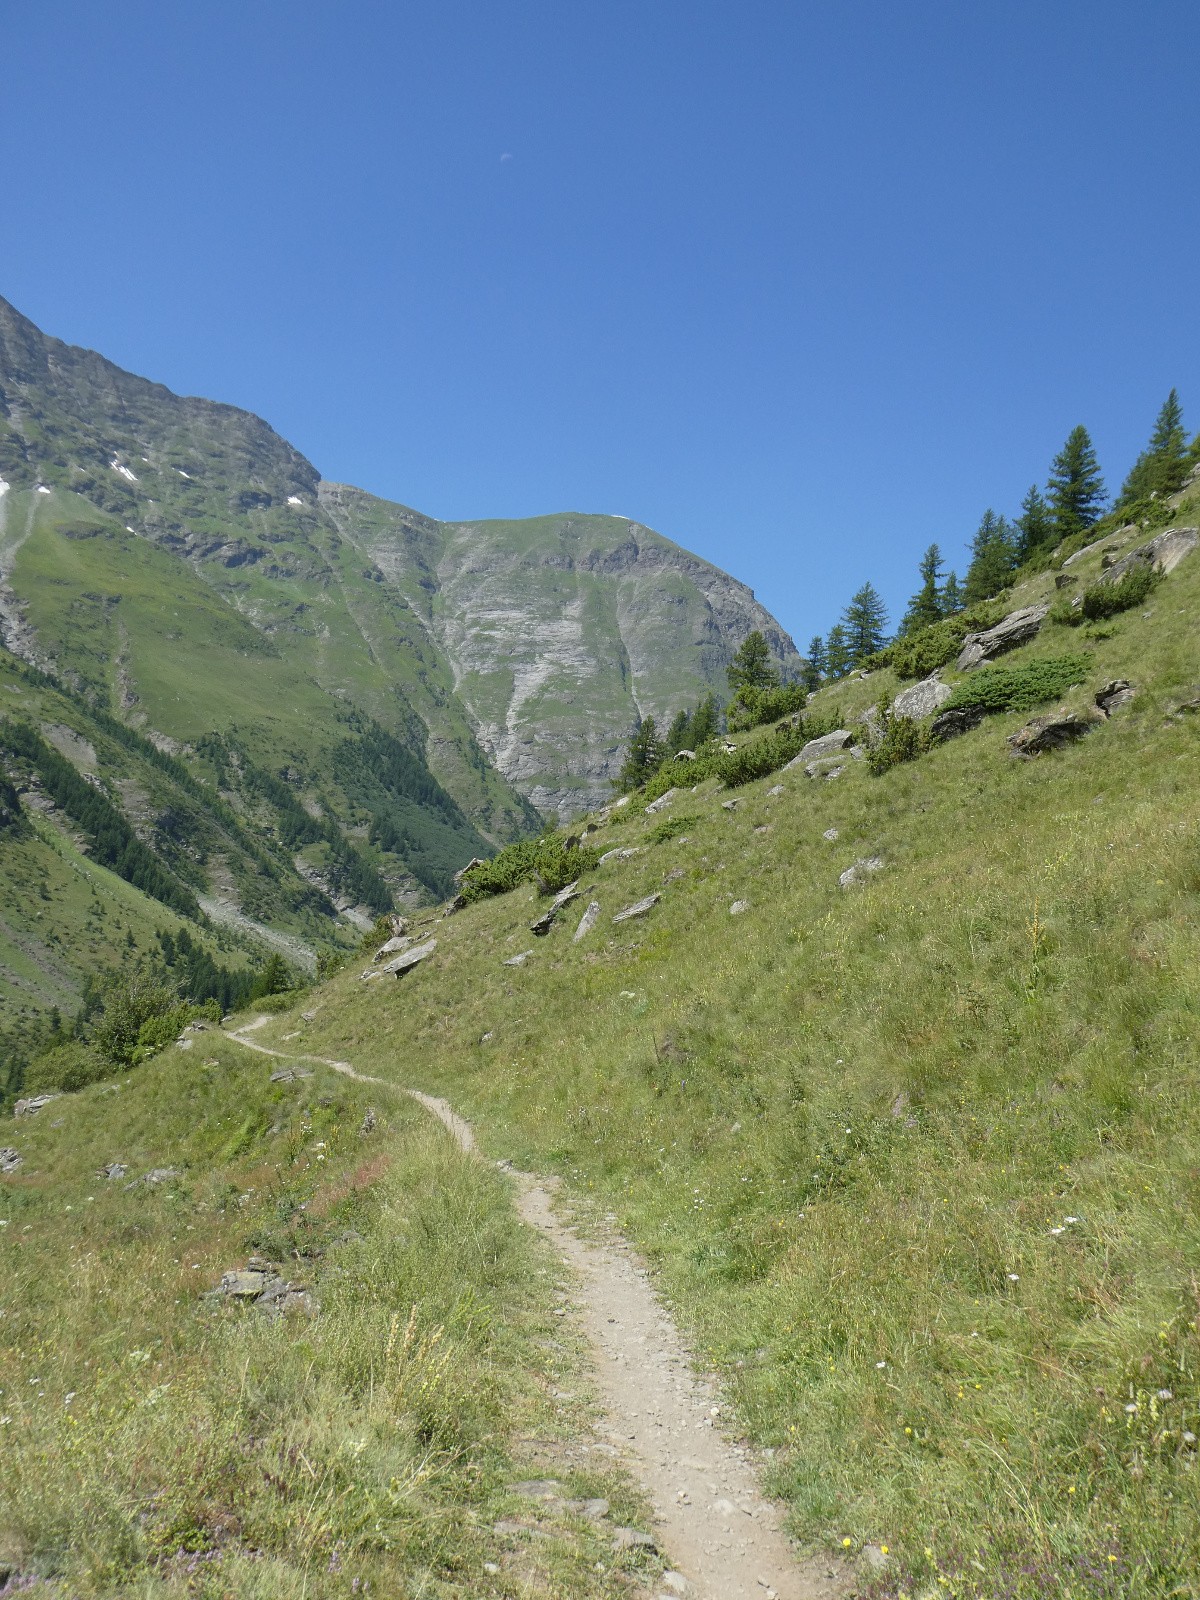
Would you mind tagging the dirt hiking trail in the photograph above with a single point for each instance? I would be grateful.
(724, 1539)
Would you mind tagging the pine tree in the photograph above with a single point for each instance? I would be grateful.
(993, 557)
(814, 664)
(1076, 489)
(679, 734)
(643, 757)
(865, 624)
(706, 721)
(1163, 465)
(925, 607)
(1035, 530)
(751, 667)
(952, 596)
(837, 654)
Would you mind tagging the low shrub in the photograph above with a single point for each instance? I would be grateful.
(672, 827)
(548, 861)
(1102, 600)
(916, 655)
(903, 740)
(66, 1069)
(751, 708)
(1019, 688)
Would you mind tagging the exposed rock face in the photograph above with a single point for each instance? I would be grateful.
(1050, 733)
(587, 921)
(951, 723)
(638, 909)
(563, 631)
(922, 699)
(829, 744)
(1016, 628)
(1164, 553)
(408, 959)
(31, 1107)
(547, 919)
(1114, 695)
(10, 1159)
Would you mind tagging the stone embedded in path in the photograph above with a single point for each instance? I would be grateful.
(401, 964)
(1018, 627)
(546, 921)
(10, 1159)
(829, 744)
(922, 699)
(587, 921)
(661, 803)
(860, 871)
(638, 909)
(1050, 733)
(633, 1539)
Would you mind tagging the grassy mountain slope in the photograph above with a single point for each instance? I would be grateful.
(915, 1160)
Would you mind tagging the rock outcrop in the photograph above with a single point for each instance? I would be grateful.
(922, 699)
(546, 921)
(1163, 553)
(1016, 628)
(1052, 732)
(638, 909)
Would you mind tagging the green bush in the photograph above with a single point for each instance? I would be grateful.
(66, 1069)
(1018, 688)
(752, 707)
(903, 740)
(759, 757)
(916, 655)
(547, 861)
(671, 828)
(1101, 600)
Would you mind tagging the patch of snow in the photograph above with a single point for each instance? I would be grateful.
(42, 489)
(128, 529)
(295, 500)
(3, 486)
(182, 473)
(146, 459)
(125, 472)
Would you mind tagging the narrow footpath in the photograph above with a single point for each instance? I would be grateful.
(716, 1528)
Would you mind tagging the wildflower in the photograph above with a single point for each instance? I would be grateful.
(845, 1542)
(1014, 1277)
(879, 1366)
(1165, 1394)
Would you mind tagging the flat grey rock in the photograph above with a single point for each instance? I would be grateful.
(922, 699)
(829, 744)
(31, 1107)
(638, 909)
(1018, 627)
(400, 942)
(563, 898)
(1163, 553)
(621, 853)
(517, 960)
(862, 869)
(587, 921)
(661, 803)
(738, 907)
(405, 962)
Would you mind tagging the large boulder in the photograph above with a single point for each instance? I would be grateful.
(1054, 732)
(922, 699)
(405, 962)
(1018, 627)
(949, 724)
(829, 744)
(1114, 695)
(31, 1107)
(1163, 553)
(663, 801)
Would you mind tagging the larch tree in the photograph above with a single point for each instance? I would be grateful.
(1163, 464)
(925, 607)
(864, 622)
(993, 557)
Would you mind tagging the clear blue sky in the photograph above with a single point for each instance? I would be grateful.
(802, 285)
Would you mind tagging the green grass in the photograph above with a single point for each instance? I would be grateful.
(846, 1125)
(153, 1441)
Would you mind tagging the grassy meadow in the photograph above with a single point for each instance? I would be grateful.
(915, 1162)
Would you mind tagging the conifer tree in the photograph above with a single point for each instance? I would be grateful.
(751, 667)
(1163, 464)
(952, 596)
(814, 664)
(706, 721)
(864, 622)
(1076, 489)
(1035, 529)
(837, 653)
(993, 557)
(679, 733)
(643, 757)
(925, 607)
